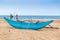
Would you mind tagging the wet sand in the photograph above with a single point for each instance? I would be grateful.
(9, 33)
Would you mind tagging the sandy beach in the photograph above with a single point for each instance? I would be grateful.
(9, 33)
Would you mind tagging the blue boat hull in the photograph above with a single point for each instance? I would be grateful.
(27, 25)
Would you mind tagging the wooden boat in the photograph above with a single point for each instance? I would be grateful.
(27, 25)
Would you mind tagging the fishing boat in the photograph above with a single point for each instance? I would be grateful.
(27, 25)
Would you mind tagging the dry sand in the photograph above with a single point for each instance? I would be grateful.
(9, 33)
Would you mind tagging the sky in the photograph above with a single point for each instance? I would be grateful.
(30, 7)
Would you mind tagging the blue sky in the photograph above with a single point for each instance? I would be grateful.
(30, 7)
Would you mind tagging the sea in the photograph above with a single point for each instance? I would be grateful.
(31, 17)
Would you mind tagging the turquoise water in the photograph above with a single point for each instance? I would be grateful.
(31, 17)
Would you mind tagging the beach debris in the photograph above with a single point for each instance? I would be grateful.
(56, 28)
(8, 30)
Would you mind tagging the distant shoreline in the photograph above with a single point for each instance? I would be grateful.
(33, 17)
